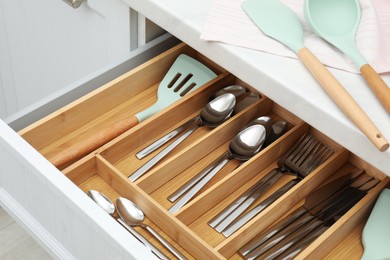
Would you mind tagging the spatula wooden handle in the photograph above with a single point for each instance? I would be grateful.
(87, 144)
(378, 86)
(342, 98)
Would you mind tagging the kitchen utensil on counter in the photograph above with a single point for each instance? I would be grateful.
(300, 160)
(265, 121)
(337, 23)
(319, 208)
(376, 232)
(236, 90)
(279, 22)
(213, 114)
(242, 147)
(134, 216)
(106, 204)
(184, 76)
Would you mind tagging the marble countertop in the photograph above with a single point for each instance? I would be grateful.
(284, 80)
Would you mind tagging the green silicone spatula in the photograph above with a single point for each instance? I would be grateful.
(376, 232)
(184, 76)
(279, 22)
(337, 21)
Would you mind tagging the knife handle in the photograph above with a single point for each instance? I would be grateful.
(342, 98)
(377, 85)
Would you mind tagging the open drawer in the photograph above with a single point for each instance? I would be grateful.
(107, 169)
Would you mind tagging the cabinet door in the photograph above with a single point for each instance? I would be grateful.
(46, 45)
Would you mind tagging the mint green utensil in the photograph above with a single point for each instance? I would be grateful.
(376, 232)
(279, 22)
(337, 21)
(184, 76)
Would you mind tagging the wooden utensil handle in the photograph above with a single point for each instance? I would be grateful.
(342, 98)
(376, 83)
(87, 144)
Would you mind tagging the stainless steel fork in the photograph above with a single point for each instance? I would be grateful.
(300, 160)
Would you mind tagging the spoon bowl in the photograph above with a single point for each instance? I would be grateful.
(130, 212)
(218, 110)
(336, 21)
(102, 200)
(134, 216)
(247, 143)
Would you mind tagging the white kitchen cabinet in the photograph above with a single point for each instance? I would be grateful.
(47, 45)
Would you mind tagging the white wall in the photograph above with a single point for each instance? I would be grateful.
(46, 45)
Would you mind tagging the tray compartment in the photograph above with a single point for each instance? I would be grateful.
(96, 173)
(122, 154)
(334, 235)
(107, 168)
(127, 95)
(193, 158)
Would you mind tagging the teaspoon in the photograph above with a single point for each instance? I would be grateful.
(134, 216)
(106, 204)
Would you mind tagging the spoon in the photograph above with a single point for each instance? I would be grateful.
(236, 90)
(134, 216)
(243, 146)
(213, 114)
(231, 212)
(279, 22)
(263, 120)
(106, 204)
(337, 21)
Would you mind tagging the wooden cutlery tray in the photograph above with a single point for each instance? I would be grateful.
(107, 168)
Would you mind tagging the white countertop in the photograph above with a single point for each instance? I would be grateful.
(284, 80)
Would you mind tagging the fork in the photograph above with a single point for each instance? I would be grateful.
(300, 160)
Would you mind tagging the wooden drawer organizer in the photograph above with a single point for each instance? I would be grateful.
(107, 168)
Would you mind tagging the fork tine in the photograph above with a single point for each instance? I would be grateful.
(297, 149)
(308, 152)
(322, 156)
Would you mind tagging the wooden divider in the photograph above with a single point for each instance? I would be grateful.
(108, 167)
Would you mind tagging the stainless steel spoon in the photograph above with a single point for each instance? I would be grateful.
(106, 204)
(236, 90)
(266, 121)
(244, 145)
(237, 207)
(213, 114)
(134, 216)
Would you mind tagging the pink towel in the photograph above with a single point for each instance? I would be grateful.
(227, 22)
